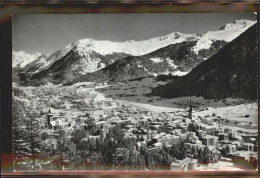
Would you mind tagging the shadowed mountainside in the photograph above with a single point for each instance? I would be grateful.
(231, 72)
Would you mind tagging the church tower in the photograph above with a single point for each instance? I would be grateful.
(49, 116)
(190, 111)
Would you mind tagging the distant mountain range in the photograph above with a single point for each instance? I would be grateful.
(231, 72)
(21, 58)
(93, 60)
(177, 59)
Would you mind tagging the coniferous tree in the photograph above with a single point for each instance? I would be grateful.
(20, 146)
(194, 152)
(32, 135)
(207, 155)
(77, 135)
(200, 156)
(62, 147)
(72, 156)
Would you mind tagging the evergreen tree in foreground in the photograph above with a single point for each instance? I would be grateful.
(26, 137)
(20, 146)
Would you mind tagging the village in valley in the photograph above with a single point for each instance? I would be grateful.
(135, 92)
(79, 128)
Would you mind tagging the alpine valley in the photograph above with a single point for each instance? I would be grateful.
(178, 102)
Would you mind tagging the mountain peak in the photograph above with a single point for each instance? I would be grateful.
(22, 58)
(218, 77)
(238, 24)
(88, 55)
(86, 40)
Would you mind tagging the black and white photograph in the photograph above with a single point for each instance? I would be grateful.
(135, 91)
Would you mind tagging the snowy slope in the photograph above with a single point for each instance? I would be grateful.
(137, 48)
(88, 55)
(85, 47)
(21, 58)
(234, 112)
(57, 55)
(231, 72)
(36, 65)
(227, 33)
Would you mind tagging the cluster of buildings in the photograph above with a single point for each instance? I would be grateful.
(155, 130)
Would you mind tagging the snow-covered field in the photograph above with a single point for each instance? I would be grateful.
(135, 93)
(149, 107)
(237, 112)
(220, 166)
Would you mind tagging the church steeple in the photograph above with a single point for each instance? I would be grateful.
(190, 111)
(49, 116)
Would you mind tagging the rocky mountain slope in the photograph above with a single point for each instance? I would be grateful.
(20, 59)
(177, 59)
(74, 65)
(88, 56)
(231, 72)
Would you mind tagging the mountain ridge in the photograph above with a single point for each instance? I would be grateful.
(177, 59)
(231, 72)
(93, 55)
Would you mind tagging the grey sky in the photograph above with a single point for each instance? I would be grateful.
(49, 32)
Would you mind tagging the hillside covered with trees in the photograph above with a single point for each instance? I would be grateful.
(231, 72)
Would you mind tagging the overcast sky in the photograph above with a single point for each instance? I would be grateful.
(47, 33)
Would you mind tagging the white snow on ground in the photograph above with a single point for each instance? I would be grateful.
(140, 66)
(86, 65)
(149, 107)
(203, 43)
(133, 93)
(179, 73)
(82, 83)
(228, 33)
(156, 60)
(237, 112)
(170, 62)
(167, 72)
(98, 96)
(219, 166)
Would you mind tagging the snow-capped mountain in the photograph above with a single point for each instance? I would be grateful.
(75, 64)
(231, 72)
(136, 48)
(227, 33)
(21, 59)
(238, 25)
(177, 59)
(89, 55)
(36, 65)
(112, 50)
